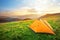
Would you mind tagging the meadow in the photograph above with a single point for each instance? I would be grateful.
(19, 30)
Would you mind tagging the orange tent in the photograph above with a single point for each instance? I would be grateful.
(41, 26)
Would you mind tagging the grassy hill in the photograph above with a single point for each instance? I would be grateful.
(20, 30)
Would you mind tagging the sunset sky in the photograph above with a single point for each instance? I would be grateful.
(39, 5)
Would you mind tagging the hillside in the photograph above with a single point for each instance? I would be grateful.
(27, 17)
(49, 15)
(20, 30)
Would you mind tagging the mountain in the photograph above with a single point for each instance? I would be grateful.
(17, 18)
(49, 15)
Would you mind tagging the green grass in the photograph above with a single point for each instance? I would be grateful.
(56, 27)
(20, 30)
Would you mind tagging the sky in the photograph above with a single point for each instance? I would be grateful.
(10, 4)
(39, 5)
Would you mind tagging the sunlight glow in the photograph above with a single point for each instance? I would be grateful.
(42, 6)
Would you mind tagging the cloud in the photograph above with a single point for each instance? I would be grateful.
(43, 5)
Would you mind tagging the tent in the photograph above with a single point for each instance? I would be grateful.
(41, 26)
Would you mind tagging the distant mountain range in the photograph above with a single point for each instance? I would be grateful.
(16, 18)
(25, 17)
(48, 15)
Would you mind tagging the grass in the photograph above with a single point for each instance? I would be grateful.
(20, 30)
(56, 27)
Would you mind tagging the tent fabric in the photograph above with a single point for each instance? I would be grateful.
(39, 26)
